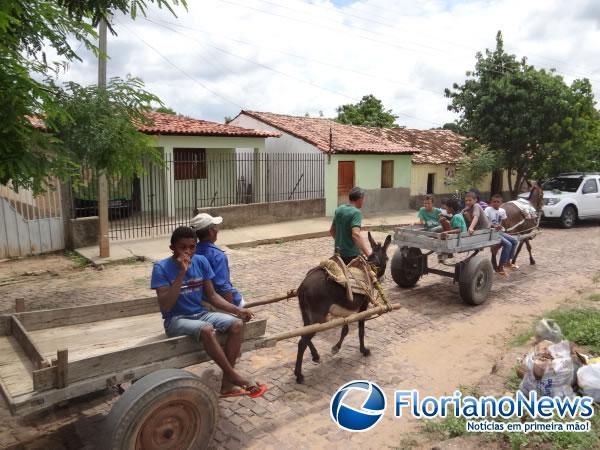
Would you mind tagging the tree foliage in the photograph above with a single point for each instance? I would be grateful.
(473, 167)
(28, 28)
(100, 129)
(536, 123)
(369, 112)
(165, 110)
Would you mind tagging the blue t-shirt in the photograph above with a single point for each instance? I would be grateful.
(220, 265)
(191, 294)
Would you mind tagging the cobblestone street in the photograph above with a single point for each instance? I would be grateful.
(434, 342)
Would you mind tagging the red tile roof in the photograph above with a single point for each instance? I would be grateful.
(169, 124)
(330, 136)
(436, 146)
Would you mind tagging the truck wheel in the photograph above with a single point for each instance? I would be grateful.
(568, 217)
(168, 409)
(475, 281)
(407, 266)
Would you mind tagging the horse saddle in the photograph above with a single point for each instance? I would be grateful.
(526, 208)
(357, 277)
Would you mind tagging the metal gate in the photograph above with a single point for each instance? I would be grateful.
(30, 225)
(166, 196)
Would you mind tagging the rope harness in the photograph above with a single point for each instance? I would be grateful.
(369, 285)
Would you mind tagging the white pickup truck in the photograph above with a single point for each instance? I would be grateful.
(571, 196)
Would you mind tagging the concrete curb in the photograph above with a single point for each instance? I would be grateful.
(299, 237)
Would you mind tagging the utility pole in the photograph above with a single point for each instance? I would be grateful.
(102, 182)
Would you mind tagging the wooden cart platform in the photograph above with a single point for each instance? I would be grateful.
(50, 356)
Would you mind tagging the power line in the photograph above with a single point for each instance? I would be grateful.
(444, 52)
(265, 66)
(222, 97)
(254, 45)
(394, 26)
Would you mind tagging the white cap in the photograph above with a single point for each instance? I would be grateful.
(204, 220)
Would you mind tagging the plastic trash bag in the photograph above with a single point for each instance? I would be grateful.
(588, 379)
(550, 370)
(548, 330)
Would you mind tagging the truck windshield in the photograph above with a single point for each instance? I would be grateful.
(562, 184)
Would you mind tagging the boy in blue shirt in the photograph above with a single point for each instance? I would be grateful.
(182, 281)
(207, 231)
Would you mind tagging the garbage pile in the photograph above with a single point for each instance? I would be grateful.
(554, 368)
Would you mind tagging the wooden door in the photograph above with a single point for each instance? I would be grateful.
(345, 180)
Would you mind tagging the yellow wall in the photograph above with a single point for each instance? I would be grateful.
(418, 184)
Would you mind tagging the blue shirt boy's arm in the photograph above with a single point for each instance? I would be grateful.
(221, 269)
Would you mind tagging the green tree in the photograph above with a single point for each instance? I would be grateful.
(27, 29)
(369, 112)
(164, 110)
(99, 129)
(473, 167)
(534, 121)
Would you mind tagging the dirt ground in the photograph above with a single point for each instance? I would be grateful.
(433, 343)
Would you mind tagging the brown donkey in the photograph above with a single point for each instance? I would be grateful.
(317, 295)
(517, 223)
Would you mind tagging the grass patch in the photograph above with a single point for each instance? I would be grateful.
(77, 260)
(595, 297)
(513, 381)
(596, 278)
(521, 339)
(446, 428)
(580, 326)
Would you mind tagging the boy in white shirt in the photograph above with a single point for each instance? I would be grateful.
(496, 216)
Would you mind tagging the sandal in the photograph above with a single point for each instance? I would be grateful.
(262, 388)
(236, 392)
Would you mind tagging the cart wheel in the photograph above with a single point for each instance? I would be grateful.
(475, 280)
(168, 409)
(407, 266)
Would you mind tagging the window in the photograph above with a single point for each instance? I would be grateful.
(430, 183)
(190, 163)
(590, 187)
(387, 174)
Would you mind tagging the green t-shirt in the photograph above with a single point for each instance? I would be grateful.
(345, 218)
(458, 221)
(430, 219)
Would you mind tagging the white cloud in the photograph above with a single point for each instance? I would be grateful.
(269, 54)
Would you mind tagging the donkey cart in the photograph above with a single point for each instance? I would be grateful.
(52, 356)
(474, 273)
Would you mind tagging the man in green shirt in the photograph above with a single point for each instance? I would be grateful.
(345, 228)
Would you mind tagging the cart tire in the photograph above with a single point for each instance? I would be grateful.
(475, 280)
(167, 409)
(407, 266)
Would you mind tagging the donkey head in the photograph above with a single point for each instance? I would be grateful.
(378, 257)
(536, 196)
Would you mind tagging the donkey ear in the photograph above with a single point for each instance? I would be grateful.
(387, 242)
(371, 240)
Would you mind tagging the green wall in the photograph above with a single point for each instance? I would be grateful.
(367, 174)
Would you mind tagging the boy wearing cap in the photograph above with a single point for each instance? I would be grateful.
(207, 231)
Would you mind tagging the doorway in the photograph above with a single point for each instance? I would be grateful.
(345, 180)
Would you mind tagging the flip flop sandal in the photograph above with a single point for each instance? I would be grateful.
(237, 392)
(262, 388)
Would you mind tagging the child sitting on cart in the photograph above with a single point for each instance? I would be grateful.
(182, 281)
(429, 216)
(496, 216)
(456, 224)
